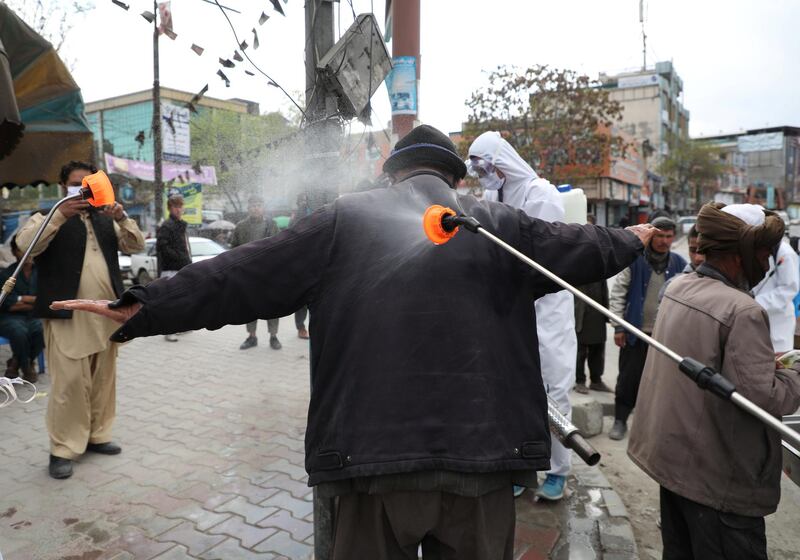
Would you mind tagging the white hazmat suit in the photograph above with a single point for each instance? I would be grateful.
(555, 313)
(776, 292)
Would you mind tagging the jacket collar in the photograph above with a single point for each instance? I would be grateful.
(709, 271)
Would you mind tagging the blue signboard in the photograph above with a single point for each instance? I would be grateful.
(402, 85)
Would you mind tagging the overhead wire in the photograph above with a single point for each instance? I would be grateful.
(235, 36)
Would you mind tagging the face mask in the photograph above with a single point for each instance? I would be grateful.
(491, 181)
(73, 190)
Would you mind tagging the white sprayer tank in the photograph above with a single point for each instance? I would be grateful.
(575, 205)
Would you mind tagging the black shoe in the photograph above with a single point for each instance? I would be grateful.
(249, 342)
(618, 430)
(107, 448)
(600, 387)
(60, 467)
(274, 343)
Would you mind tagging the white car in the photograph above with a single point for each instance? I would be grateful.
(685, 224)
(144, 266)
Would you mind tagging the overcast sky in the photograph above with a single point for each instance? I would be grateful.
(738, 58)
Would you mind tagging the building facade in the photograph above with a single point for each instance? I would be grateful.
(652, 111)
(762, 165)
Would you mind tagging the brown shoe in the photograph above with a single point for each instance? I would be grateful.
(302, 333)
(582, 389)
(600, 387)
(29, 374)
(12, 368)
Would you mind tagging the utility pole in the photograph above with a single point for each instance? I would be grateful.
(322, 142)
(405, 42)
(158, 184)
(644, 36)
(323, 133)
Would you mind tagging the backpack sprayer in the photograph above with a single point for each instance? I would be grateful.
(441, 224)
(95, 188)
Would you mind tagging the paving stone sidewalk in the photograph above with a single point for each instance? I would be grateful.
(212, 467)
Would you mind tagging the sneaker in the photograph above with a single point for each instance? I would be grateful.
(553, 488)
(582, 389)
(171, 338)
(274, 343)
(618, 430)
(249, 342)
(519, 491)
(600, 387)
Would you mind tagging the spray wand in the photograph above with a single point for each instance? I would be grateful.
(95, 188)
(441, 224)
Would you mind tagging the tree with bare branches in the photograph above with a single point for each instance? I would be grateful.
(52, 19)
(558, 120)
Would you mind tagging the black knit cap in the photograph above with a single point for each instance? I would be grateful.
(426, 146)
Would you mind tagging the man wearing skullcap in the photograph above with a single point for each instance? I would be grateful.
(427, 400)
(635, 296)
(718, 467)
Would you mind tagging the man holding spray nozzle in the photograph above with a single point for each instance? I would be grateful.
(426, 399)
(77, 257)
(506, 177)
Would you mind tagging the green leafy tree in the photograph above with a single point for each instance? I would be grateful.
(691, 169)
(558, 120)
(237, 145)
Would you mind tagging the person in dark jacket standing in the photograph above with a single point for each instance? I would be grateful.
(590, 327)
(17, 324)
(419, 422)
(635, 297)
(172, 244)
(76, 257)
(256, 226)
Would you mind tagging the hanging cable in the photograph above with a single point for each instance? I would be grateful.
(235, 36)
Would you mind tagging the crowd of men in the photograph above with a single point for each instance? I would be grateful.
(427, 415)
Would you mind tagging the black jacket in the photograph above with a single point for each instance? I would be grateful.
(422, 357)
(172, 245)
(61, 264)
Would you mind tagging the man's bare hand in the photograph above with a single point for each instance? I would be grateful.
(72, 207)
(644, 232)
(619, 339)
(116, 211)
(98, 306)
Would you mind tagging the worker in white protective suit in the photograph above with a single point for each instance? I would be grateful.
(776, 293)
(507, 178)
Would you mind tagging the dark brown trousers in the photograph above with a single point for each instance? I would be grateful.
(393, 526)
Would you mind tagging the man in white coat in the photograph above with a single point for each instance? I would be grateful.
(776, 292)
(506, 177)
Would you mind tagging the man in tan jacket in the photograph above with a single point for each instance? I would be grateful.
(719, 468)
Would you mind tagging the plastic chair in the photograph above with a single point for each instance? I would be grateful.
(4, 341)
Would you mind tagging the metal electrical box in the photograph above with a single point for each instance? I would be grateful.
(356, 65)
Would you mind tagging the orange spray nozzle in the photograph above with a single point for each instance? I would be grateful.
(432, 223)
(100, 192)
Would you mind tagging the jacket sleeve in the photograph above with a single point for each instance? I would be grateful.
(26, 234)
(268, 278)
(750, 364)
(618, 299)
(579, 254)
(779, 291)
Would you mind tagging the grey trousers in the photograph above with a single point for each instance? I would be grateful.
(272, 327)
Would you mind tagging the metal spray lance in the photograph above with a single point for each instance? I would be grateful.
(95, 188)
(441, 224)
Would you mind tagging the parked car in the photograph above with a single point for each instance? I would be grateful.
(144, 265)
(125, 266)
(685, 223)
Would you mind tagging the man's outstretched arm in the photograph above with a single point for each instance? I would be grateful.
(261, 280)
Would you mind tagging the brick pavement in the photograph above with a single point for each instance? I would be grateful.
(211, 468)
